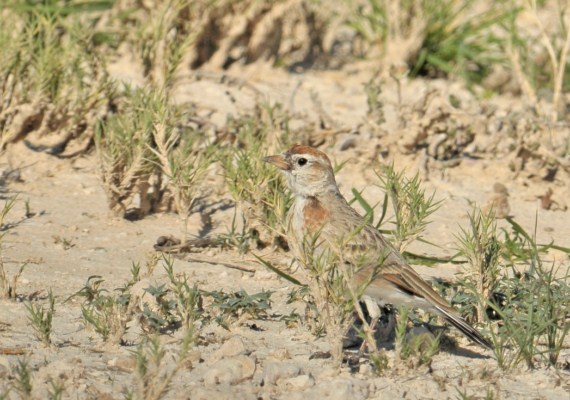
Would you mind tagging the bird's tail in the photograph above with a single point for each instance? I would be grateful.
(464, 327)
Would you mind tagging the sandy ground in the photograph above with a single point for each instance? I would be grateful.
(73, 236)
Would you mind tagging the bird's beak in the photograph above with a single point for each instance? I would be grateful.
(279, 161)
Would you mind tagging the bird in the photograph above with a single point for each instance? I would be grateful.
(319, 209)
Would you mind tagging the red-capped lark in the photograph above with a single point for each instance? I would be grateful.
(319, 208)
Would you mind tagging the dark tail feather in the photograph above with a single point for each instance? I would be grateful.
(465, 328)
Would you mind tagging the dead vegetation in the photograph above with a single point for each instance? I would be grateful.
(53, 82)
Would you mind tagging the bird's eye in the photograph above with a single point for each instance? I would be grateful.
(302, 161)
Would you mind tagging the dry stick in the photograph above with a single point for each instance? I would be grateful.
(14, 351)
(181, 252)
(399, 93)
(8, 97)
(560, 75)
(211, 261)
(523, 81)
(558, 66)
(545, 39)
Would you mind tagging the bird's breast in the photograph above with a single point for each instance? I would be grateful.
(306, 217)
(315, 214)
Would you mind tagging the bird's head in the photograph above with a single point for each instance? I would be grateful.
(308, 170)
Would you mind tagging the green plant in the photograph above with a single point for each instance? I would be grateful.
(236, 306)
(508, 280)
(128, 163)
(22, 383)
(64, 242)
(163, 39)
(458, 42)
(410, 204)
(533, 309)
(41, 319)
(462, 395)
(375, 112)
(369, 21)
(533, 319)
(180, 155)
(329, 289)
(108, 317)
(150, 157)
(189, 307)
(91, 291)
(433, 37)
(238, 236)
(107, 314)
(56, 389)
(154, 371)
(310, 318)
(480, 246)
(161, 316)
(257, 187)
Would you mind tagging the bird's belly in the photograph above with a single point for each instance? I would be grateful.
(391, 294)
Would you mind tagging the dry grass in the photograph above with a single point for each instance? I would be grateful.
(8, 285)
(258, 189)
(53, 81)
(556, 43)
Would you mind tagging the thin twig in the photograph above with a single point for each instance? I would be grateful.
(560, 75)
(545, 39)
(212, 261)
(526, 87)
(14, 351)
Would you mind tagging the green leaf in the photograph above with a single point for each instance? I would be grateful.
(278, 271)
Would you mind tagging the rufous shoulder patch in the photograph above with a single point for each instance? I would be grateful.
(314, 214)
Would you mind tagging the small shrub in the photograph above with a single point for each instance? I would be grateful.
(258, 188)
(107, 314)
(410, 204)
(53, 80)
(189, 301)
(509, 283)
(22, 383)
(154, 371)
(235, 306)
(433, 38)
(41, 319)
(479, 244)
(151, 159)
